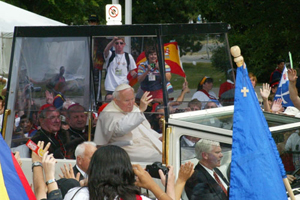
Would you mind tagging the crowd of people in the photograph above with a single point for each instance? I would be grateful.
(103, 173)
(127, 128)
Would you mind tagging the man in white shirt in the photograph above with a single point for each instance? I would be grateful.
(117, 64)
(207, 182)
(83, 154)
(123, 123)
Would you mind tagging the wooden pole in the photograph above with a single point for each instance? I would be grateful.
(288, 188)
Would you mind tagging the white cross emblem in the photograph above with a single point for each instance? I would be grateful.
(244, 90)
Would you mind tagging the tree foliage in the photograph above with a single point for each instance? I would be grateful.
(265, 30)
(71, 12)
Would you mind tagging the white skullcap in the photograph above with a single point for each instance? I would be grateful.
(121, 87)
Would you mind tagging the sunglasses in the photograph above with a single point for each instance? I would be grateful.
(117, 43)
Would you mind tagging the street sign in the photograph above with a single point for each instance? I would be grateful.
(113, 14)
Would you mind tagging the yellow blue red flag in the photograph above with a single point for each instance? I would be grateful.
(13, 183)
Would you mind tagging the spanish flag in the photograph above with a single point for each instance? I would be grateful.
(13, 183)
(171, 58)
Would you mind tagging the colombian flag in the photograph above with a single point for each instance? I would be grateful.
(171, 58)
(13, 183)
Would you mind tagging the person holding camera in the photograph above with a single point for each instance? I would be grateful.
(111, 176)
(149, 76)
(207, 182)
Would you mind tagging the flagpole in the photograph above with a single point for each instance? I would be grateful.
(239, 60)
(291, 60)
(288, 188)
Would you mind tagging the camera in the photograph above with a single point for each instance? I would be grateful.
(179, 110)
(34, 89)
(152, 65)
(153, 169)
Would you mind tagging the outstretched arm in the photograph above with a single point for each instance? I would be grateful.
(109, 46)
(185, 172)
(292, 74)
(171, 181)
(38, 177)
(185, 89)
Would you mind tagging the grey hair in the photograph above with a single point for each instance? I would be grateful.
(204, 145)
(209, 103)
(121, 87)
(51, 108)
(79, 151)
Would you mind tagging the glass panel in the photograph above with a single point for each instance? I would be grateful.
(203, 57)
(51, 70)
(210, 156)
(288, 147)
(225, 119)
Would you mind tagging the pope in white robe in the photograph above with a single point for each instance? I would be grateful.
(123, 123)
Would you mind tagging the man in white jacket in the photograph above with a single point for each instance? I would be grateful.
(123, 123)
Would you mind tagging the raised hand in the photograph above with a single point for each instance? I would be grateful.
(40, 144)
(49, 162)
(265, 91)
(292, 74)
(143, 179)
(69, 173)
(145, 100)
(186, 171)
(49, 97)
(185, 87)
(276, 107)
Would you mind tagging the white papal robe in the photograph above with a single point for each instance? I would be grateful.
(131, 131)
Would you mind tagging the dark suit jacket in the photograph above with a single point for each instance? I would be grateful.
(76, 171)
(203, 186)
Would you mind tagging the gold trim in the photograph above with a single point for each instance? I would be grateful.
(90, 127)
(168, 132)
(6, 114)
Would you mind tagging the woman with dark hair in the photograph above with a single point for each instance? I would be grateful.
(111, 177)
(149, 76)
(204, 91)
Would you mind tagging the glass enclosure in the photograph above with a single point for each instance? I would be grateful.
(63, 66)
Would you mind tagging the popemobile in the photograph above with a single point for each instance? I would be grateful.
(64, 66)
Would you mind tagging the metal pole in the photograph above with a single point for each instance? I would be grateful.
(128, 20)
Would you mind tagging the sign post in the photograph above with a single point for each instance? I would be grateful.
(113, 14)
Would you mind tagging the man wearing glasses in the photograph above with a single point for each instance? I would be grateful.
(117, 64)
(50, 131)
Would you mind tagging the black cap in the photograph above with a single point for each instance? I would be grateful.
(93, 18)
(280, 61)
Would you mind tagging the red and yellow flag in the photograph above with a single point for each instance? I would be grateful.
(171, 58)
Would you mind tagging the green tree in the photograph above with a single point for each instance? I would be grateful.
(264, 30)
(71, 12)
